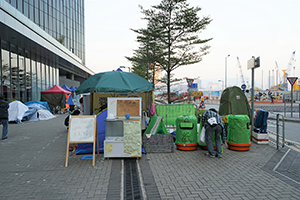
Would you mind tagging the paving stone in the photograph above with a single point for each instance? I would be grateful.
(33, 158)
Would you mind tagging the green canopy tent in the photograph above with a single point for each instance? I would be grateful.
(234, 101)
(115, 82)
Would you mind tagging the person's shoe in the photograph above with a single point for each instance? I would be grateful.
(209, 155)
(218, 156)
(4, 138)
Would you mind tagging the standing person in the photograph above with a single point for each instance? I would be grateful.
(218, 128)
(271, 96)
(259, 96)
(4, 116)
(272, 99)
(202, 105)
(81, 104)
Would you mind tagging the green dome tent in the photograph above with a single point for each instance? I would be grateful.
(234, 101)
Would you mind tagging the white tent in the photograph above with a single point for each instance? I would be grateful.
(16, 111)
(37, 112)
(41, 115)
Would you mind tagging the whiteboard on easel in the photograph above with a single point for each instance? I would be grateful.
(82, 129)
(121, 106)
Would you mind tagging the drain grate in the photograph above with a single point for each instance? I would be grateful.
(132, 189)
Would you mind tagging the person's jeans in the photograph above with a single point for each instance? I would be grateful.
(208, 133)
(4, 123)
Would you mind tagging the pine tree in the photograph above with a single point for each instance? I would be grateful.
(174, 27)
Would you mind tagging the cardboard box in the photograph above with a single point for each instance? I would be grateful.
(260, 138)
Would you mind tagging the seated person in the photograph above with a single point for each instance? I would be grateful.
(76, 112)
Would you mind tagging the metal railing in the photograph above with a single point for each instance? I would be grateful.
(280, 128)
(277, 130)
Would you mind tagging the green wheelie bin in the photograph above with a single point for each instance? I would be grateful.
(186, 132)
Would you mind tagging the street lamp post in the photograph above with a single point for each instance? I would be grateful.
(222, 84)
(122, 67)
(125, 67)
(226, 70)
(221, 91)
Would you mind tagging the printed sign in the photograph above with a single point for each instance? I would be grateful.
(292, 80)
(190, 81)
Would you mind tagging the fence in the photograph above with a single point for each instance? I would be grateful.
(279, 131)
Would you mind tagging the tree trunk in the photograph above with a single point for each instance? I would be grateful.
(153, 74)
(169, 64)
(169, 78)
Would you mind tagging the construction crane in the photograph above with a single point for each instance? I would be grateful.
(241, 72)
(287, 72)
(278, 75)
(279, 85)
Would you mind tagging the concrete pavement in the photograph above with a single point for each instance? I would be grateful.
(32, 166)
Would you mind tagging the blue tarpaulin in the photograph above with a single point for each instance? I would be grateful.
(66, 88)
(70, 100)
(45, 104)
(72, 88)
(37, 106)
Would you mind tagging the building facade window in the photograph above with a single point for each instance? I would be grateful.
(5, 70)
(21, 75)
(29, 67)
(14, 72)
(28, 76)
(34, 87)
(39, 76)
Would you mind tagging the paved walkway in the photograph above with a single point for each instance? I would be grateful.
(32, 166)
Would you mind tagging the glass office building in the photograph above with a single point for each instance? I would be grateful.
(42, 44)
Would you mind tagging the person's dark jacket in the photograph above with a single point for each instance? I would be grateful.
(3, 109)
(76, 112)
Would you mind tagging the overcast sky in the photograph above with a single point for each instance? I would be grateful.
(242, 28)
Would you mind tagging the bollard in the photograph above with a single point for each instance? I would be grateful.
(283, 131)
(277, 131)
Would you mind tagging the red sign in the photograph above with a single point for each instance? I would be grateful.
(292, 80)
(190, 81)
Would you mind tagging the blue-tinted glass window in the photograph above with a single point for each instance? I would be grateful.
(47, 76)
(51, 75)
(13, 3)
(5, 73)
(26, 8)
(43, 77)
(39, 80)
(14, 72)
(20, 5)
(42, 25)
(31, 13)
(28, 76)
(34, 78)
(22, 75)
(36, 15)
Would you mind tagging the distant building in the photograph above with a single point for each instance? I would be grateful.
(42, 44)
